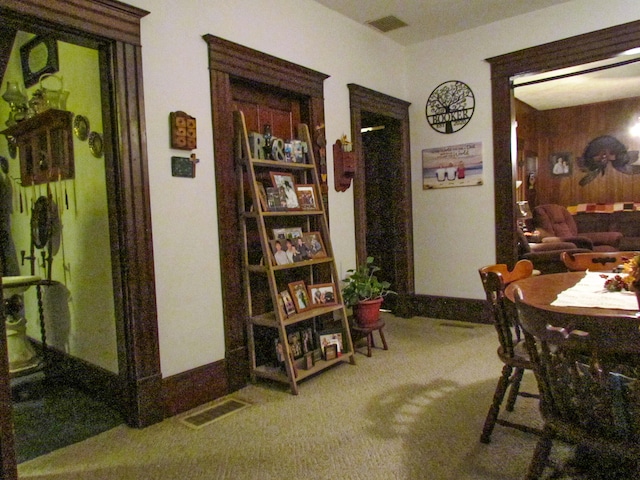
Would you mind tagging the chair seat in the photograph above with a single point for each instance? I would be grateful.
(520, 358)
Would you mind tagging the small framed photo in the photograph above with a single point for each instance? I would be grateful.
(307, 197)
(313, 241)
(262, 194)
(322, 294)
(279, 250)
(560, 164)
(279, 357)
(307, 340)
(275, 200)
(287, 303)
(300, 296)
(284, 233)
(308, 362)
(330, 337)
(331, 352)
(295, 344)
(286, 184)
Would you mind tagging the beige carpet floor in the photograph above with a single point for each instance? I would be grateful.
(412, 412)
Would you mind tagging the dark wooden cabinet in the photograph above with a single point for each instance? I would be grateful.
(45, 143)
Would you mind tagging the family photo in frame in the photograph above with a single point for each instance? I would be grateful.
(300, 296)
(307, 197)
(285, 183)
(322, 294)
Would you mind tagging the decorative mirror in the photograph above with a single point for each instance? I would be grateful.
(37, 57)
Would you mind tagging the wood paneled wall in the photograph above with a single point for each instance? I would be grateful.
(570, 130)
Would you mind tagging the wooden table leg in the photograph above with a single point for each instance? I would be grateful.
(384, 341)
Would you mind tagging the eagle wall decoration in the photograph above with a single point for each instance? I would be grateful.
(605, 150)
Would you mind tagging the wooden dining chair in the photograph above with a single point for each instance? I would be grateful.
(588, 374)
(511, 350)
(594, 261)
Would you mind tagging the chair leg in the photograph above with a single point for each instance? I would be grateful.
(494, 410)
(540, 455)
(515, 389)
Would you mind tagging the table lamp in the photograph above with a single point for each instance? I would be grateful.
(523, 213)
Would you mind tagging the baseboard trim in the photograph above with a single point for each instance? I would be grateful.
(187, 390)
(450, 308)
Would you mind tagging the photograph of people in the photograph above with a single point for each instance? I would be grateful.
(285, 183)
(279, 254)
(292, 253)
(303, 250)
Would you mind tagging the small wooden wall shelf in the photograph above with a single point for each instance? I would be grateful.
(45, 143)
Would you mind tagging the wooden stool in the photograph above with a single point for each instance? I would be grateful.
(368, 332)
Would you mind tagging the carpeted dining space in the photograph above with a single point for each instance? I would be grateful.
(414, 411)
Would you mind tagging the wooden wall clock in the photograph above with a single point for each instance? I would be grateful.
(183, 131)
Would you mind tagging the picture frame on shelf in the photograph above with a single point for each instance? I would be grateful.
(287, 303)
(307, 340)
(300, 296)
(323, 294)
(330, 352)
(295, 344)
(313, 241)
(285, 182)
(307, 196)
(275, 201)
(262, 194)
(279, 251)
(279, 352)
(284, 233)
(330, 337)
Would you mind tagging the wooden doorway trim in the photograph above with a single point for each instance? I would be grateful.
(228, 63)
(577, 50)
(363, 99)
(113, 28)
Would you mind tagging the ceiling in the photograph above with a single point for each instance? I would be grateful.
(428, 19)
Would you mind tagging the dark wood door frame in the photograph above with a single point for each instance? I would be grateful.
(228, 63)
(363, 99)
(577, 50)
(114, 29)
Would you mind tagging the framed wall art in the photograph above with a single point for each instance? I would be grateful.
(37, 57)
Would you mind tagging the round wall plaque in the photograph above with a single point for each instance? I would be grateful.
(450, 106)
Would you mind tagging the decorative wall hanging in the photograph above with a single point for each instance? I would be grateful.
(450, 106)
(604, 150)
(183, 131)
(38, 56)
(452, 166)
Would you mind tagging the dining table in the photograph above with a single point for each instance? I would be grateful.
(542, 291)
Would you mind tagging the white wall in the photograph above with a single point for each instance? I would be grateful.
(453, 227)
(175, 62)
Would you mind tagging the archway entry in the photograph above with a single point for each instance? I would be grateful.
(382, 189)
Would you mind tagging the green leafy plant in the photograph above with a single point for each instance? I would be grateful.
(362, 284)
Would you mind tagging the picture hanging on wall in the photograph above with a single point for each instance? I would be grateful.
(560, 164)
(452, 166)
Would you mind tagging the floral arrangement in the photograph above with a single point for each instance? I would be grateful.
(631, 281)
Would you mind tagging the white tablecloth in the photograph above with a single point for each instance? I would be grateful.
(590, 292)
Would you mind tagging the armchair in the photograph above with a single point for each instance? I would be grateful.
(555, 223)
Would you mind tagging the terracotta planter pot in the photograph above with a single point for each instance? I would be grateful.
(367, 313)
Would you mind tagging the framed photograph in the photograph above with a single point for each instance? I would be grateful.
(314, 244)
(287, 303)
(286, 184)
(331, 352)
(262, 193)
(295, 344)
(275, 201)
(279, 352)
(307, 340)
(322, 294)
(284, 233)
(300, 296)
(37, 57)
(289, 250)
(330, 337)
(307, 197)
(560, 164)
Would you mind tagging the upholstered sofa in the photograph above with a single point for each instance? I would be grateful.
(555, 223)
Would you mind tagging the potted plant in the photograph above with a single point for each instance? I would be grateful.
(363, 292)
